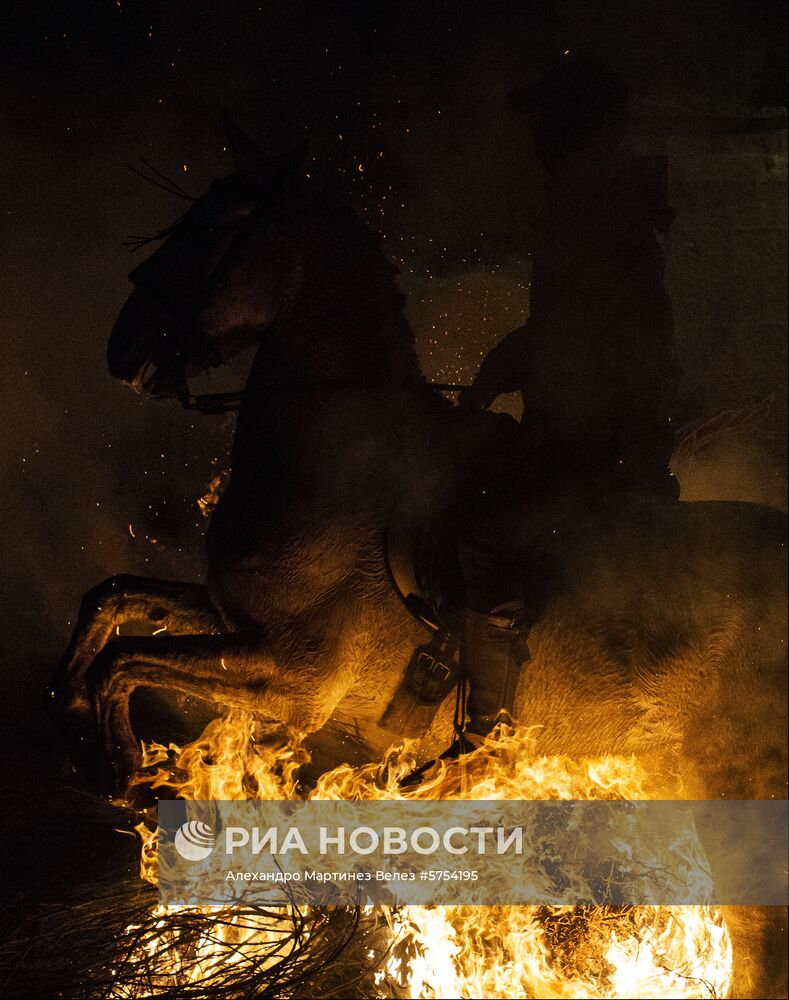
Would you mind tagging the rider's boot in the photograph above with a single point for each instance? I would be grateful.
(492, 654)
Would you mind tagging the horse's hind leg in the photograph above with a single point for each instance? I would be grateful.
(170, 605)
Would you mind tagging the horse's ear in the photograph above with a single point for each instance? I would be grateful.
(249, 157)
(291, 161)
(251, 160)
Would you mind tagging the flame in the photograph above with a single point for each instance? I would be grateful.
(565, 951)
(208, 501)
(433, 952)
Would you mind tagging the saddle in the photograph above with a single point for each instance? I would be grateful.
(443, 564)
(422, 557)
(422, 565)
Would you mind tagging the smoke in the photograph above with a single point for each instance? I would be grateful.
(405, 109)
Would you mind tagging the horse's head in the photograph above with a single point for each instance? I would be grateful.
(195, 302)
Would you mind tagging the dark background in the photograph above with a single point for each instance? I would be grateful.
(404, 105)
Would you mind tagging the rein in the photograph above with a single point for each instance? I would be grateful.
(212, 404)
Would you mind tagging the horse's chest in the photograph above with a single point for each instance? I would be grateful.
(280, 564)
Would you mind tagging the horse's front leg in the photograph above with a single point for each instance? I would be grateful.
(235, 670)
(171, 605)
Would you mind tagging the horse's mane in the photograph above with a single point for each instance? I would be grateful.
(349, 274)
(357, 237)
(349, 221)
(348, 257)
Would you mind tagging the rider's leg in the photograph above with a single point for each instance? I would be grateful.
(508, 581)
(492, 647)
(492, 656)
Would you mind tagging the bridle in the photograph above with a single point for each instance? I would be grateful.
(182, 307)
(218, 403)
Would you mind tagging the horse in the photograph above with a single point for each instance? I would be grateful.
(662, 634)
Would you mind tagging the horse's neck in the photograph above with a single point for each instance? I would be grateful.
(335, 391)
(346, 326)
(304, 351)
(324, 377)
(350, 342)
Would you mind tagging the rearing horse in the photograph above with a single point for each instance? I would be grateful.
(663, 633)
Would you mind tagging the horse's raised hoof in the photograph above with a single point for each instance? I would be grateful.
(121, 759)
(459, 746)
(71, 714)
(114, 782)
(69, 709)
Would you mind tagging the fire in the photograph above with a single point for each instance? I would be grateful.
(566, 952)
(431, 952)
(207, 503)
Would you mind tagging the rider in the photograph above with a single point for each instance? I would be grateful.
(594, 364)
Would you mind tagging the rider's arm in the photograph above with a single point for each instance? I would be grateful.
(501, 371)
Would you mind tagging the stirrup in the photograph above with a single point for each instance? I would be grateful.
(461, 744)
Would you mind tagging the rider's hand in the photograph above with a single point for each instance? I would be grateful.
(477, 397)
